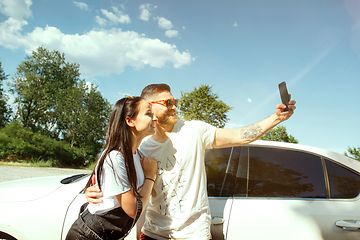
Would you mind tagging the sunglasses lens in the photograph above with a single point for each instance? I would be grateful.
(171, 102)
(168, 103)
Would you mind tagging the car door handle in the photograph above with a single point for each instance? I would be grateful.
(348, 224)
(217, 221)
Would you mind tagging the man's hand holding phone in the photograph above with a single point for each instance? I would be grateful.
(285, 109)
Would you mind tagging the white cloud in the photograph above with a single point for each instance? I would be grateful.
(117, 17)
(235, 24)
(99, 52)
(102, 52)
(89, 86)
(82, 6)
(171, 33)
(16, 9)
(10, 36)
(101, 21)
(50, 37)
(145, 11)
(117, 10)
(164, 23)
(145, 14)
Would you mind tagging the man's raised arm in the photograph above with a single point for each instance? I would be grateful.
(242, 136)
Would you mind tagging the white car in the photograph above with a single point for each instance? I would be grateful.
(264, 190)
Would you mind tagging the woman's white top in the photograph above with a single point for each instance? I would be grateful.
(115, 181)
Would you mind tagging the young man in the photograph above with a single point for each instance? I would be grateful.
(179, 207)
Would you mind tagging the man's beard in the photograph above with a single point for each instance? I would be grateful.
(167, 119)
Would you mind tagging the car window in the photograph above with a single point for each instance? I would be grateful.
(242, 172)
(280, 173)
(343, 182)
(221, 167)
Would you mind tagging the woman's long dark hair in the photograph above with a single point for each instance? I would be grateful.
(118, 137)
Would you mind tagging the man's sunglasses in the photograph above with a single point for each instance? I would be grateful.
(169, 103)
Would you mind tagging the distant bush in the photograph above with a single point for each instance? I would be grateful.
(21, 143)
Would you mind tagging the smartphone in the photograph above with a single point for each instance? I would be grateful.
(284, 95)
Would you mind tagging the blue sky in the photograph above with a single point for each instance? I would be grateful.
(242, 48)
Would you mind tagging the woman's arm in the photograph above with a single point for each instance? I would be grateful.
(128, 201)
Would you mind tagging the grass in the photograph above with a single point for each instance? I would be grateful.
(41, 163)
(21, 164)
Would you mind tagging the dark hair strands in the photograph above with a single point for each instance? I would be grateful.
(118, 137)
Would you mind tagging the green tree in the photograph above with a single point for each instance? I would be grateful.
(202, 104)
(38, 85)
(85, 116)
(5, 110)
(279, 134)
(353, 153)
(20, 143)
(52, 99)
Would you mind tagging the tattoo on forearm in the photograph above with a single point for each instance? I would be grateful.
(250, 132)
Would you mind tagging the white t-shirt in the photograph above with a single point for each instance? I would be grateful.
(179, 207)
(114, 181)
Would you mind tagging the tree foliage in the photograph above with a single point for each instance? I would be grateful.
(353, 153)
(279, 134)
(202, 104)
(39, 83)
(21, 143)
(5, 110)
(51, 98)
(85, 116)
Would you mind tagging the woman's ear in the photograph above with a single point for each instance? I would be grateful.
(129, 122)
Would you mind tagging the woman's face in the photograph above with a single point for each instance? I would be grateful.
(144, 122)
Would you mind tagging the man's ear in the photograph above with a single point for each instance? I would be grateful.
(129, 122)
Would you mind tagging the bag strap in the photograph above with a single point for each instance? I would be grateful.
(138, 213)
(138, 208)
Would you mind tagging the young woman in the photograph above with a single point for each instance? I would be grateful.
(124, 176)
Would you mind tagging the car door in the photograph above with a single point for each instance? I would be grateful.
(221, 167)
(73, 211)
(286, 194)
